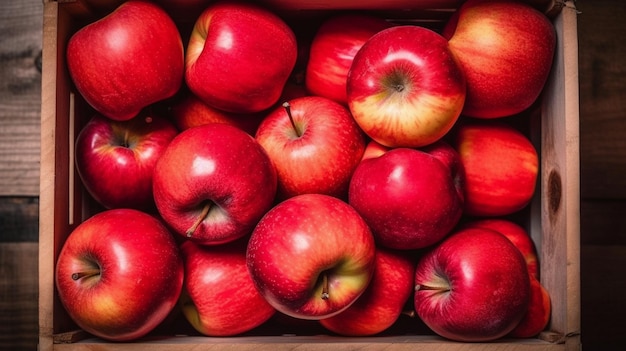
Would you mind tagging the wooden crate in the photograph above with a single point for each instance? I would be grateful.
(553, 218)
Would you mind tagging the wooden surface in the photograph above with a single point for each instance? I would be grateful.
(18, 296)
(603, 172)
(20, 91)
(602, 76)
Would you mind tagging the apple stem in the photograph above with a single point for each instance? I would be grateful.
(325, 295)
(409, 313)
(426, 287)
(85, 274)
(287, 107)
(201, 217)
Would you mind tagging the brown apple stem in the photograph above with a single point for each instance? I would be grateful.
(287, 107)
(325, 295)
(201, 217)
(126, 143)
(85, 274)
(409, 313)
(426, 287)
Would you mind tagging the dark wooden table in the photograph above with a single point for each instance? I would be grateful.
(602, 67)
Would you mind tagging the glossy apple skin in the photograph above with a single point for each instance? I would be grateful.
(332, 50)
(518, 236)
(219, 165)
(303, 239)
(506, 50)
(501, 168)
(405, 88)
(473, 286)
(382, 303)
(537, 316)
(189, 111)
(127, 60)
(115, 159)
(219, 297)
(239, 57)
(321, 155)
(408, 197)
(140, 274)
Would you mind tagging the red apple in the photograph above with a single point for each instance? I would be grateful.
(239, 57)
(473, 286)
(408, 197)
(501, 168)
(189, 111)
(213, 183)
(374, 149)
(127, 60)
(538, 314)
(219, 297)
(518, 236)
(332, 50)
(505, 49)
(405, 88)
(119, 274)
(311, 256)
(314, 144)
(383, 301)
(115, 159)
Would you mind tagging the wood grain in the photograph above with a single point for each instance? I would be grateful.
(18, 296)
(602, 104)
(19, 219)
(20, 91)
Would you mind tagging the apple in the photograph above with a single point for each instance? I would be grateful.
(473, 286)
(239, 57)
(382, 303)
(332, 50)
(119, 274)
(189, 111)
(409, 198)
(314, 144)
(538, 314)
(501, 167)
(374, 149)
(219, 297)
(213, 183)
(405, 88)
(127, 60)
(115, 159)
(506, 50)
(518, 236)
(311, 256)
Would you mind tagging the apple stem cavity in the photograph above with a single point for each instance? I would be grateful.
(85, 274)
(325, 294)
(201, 217)
(426, 287)
(287, 107)
(125, 143)
(398, 87)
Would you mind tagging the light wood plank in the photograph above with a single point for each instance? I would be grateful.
(560, 183)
